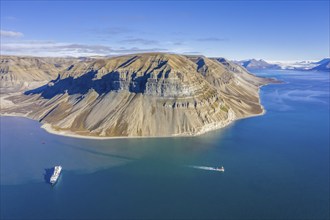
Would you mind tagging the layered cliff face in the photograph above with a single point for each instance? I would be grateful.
(19, 73)
(142, 95)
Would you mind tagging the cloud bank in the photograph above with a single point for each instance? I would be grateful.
(50, 48)
(11, 34)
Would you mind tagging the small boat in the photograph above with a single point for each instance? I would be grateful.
(56, 174)
(220, 169)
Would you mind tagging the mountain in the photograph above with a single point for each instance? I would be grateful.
(322, 65)
(323, 61)
(232, 66)
(305, 65)
(254, 64)
(19, 73)
(152, 94)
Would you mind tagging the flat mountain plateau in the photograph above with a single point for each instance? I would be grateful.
(139, 95)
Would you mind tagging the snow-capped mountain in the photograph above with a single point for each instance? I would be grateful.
(254, 64)
(306, 65)
(323, 65)
(295, 65)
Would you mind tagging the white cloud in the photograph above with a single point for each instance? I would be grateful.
(4, 33)
(50, 48)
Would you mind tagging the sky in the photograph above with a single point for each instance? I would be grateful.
(262, 29)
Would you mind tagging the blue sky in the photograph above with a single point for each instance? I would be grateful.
(271, 30)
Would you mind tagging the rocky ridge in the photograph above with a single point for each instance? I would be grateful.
(18, 73)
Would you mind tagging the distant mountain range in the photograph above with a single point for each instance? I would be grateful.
(253, 64)
(323, 65)
(257, 64)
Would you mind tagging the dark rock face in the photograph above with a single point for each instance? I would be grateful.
(159, 80)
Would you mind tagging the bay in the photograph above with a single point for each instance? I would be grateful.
(276, 166)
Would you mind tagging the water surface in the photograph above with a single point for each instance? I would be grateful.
(276, 166)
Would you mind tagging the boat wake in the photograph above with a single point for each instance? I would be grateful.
(221, 169)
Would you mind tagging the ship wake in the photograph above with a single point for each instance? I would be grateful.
(204, 168)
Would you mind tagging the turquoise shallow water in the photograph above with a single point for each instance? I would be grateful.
(277, 166)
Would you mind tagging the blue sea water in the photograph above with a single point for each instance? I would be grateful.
(276, 166)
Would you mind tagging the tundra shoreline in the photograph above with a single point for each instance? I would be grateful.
(48, 127)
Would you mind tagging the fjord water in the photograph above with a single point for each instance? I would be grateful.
(276, 166)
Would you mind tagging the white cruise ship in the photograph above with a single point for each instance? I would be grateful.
(220, 169)
(56, 174)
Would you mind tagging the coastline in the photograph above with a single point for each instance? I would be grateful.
(206, 128)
